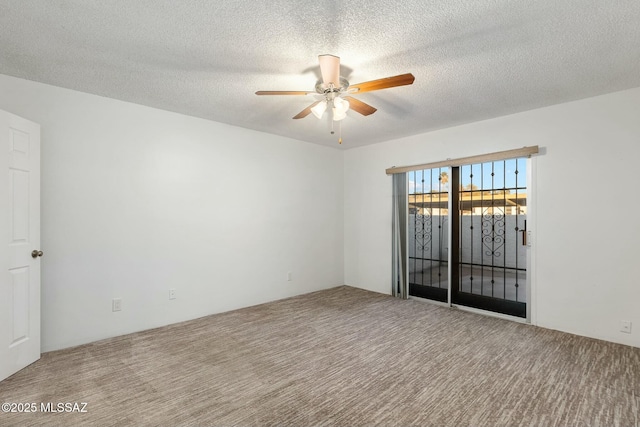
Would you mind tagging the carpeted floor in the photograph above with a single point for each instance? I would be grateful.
(342, 357)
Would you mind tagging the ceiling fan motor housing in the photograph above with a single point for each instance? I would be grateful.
(323, 89)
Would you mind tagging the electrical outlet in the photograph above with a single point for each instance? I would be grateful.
(289, 276)
(625, 326)
(116, 304)
(172, 294)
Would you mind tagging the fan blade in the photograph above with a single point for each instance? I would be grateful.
(330, 69)
(359, 106)
(304, 113)
(387, 82)
(282, 92)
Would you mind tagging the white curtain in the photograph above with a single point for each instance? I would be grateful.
(399, 218)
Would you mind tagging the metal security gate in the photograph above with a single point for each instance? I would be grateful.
(488, 229)
(491, 268)
(429, 233)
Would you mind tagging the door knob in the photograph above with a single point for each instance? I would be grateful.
(36, 253)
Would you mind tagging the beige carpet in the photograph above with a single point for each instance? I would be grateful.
(342, 357)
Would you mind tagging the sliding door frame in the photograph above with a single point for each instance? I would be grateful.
(454, 228)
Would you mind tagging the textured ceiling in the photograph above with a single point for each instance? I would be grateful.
(472, 59)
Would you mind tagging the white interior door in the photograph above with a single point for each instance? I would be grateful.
(20, 231)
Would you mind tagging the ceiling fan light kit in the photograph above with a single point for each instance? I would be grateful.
(319, 109)
(340, 107)
(335, 90)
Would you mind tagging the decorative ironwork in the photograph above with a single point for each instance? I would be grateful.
(423, 230)
(493, 231)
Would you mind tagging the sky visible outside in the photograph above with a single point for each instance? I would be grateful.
(504, 176)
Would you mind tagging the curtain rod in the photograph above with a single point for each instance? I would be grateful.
(499, 155)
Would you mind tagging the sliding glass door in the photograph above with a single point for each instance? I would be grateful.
(492, 216)
(481, 209)
(429, 233)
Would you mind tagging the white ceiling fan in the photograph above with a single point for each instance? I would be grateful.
(336, 91)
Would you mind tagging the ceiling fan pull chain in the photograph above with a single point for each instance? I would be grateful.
(340, 132)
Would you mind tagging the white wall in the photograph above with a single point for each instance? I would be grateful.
(585, 268)
(137, 200)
